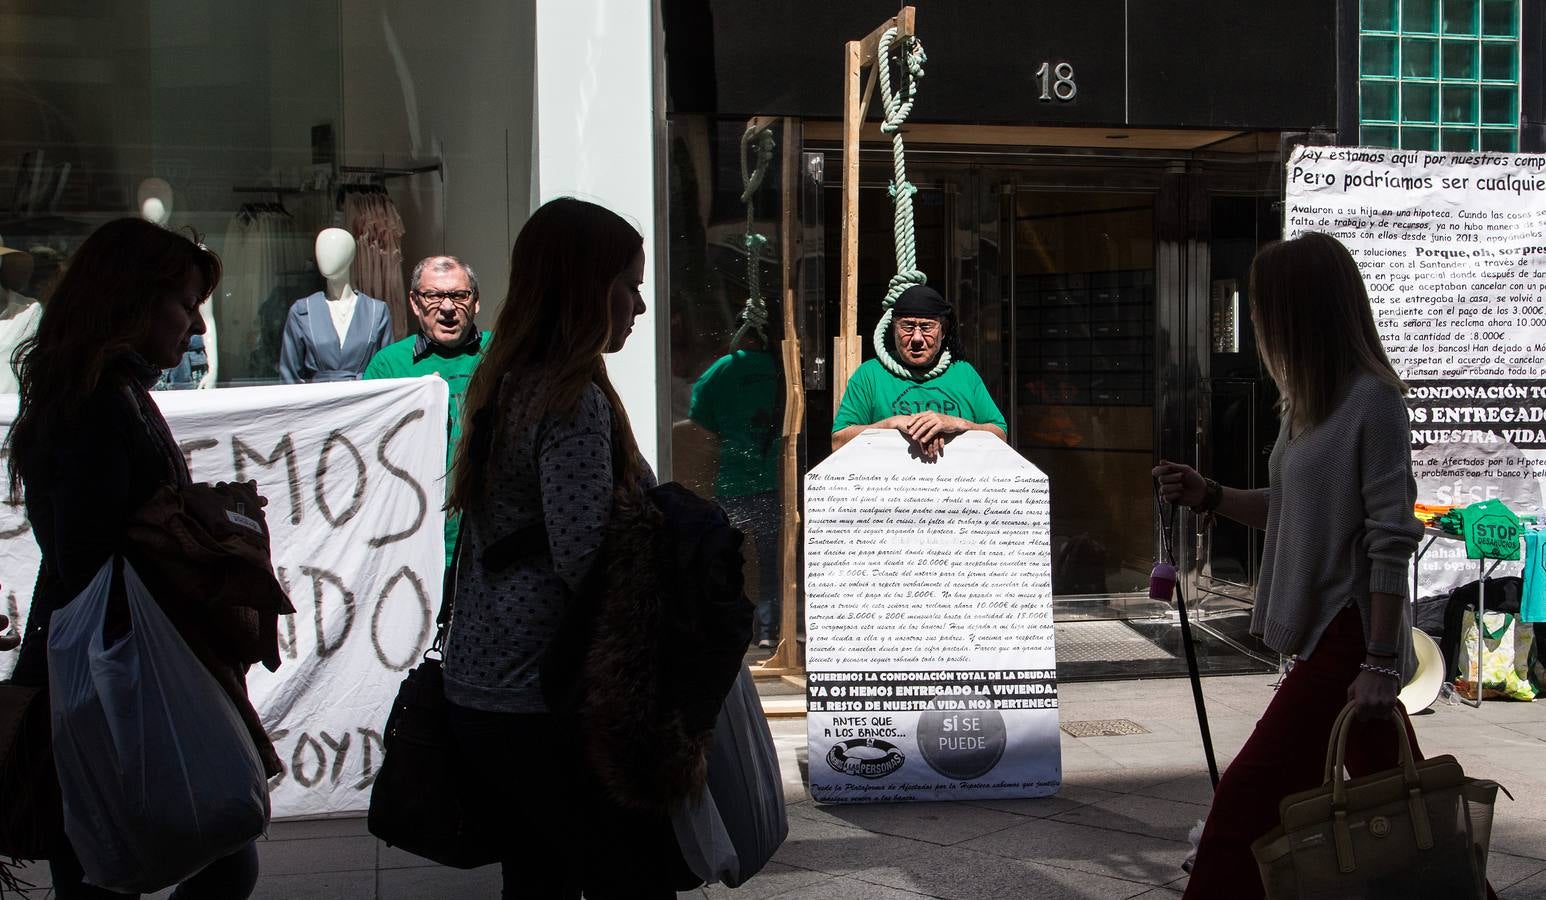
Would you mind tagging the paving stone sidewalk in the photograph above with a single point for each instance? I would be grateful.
(1117, 829)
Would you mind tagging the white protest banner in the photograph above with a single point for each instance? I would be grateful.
(929, 640)
(1452, 247)
(353, 473)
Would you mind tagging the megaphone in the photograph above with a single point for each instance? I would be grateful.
(1424, 685)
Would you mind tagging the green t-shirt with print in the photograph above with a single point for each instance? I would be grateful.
(737, 400)
(875, 394)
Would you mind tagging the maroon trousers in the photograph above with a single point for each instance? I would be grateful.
(1286, 754)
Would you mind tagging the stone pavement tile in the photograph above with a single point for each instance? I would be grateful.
(301, 829)
(360, 885)
(398, 858)
(1159, 893)
(1137, 814)
(322, 854)
(1125, 781)
(845, 888)
(1518, 835)
(1195, 787)
(1506, 870)
(942, 823)
(1185, 755)
(775, 880)
(1498, 740)
(1083, 848)
(936, 871)
(37, 875)
(1530, 889)
(1079, 756)
(439, 881)
(1069, 797)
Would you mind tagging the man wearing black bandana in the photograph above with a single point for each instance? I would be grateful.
(928, 403)
(443, 294)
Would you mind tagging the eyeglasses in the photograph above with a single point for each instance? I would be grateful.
(435, 298)
(925, 328)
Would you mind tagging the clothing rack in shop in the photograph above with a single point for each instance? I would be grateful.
(395, 171)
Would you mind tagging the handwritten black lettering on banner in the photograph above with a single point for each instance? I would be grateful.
(284, 449)
(356, 497)
(325, 760)
(403, 475)
(346, 598)
(426, 619)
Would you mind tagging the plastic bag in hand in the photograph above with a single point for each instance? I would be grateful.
(158, 775)
(731, 831)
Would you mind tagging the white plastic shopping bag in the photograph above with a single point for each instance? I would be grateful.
(739, 822)
(158, 774)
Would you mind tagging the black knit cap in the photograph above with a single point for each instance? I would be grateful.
(921, 301)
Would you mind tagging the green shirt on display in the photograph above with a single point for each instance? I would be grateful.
(875, 394)
(414, 357)
(737, 399)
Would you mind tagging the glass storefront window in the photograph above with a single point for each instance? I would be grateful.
(256, 126)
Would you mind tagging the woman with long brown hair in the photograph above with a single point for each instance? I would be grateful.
(1340, 532)
(546, 444)
(89, 447)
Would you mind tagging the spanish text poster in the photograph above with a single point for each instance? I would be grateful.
(1452, 247)
(929, 656)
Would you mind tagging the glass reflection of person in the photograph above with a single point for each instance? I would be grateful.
(928, 408)
(736, 400)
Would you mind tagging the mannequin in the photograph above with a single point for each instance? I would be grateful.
(19, 314)
(155, 200)
(332, 334)
(199, 366)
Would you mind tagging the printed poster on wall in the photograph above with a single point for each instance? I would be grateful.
(929, 640)
(1452, 247)
(353, 476)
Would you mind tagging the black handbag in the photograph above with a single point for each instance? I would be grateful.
(419, 802)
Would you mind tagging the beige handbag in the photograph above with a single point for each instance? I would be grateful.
(1418, 830)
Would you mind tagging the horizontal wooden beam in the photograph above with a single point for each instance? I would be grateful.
(905, 23)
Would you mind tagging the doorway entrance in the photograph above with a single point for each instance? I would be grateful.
(1088, 288)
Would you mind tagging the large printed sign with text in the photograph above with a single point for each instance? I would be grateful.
(929, 640)
(353, 473)
(1452, 247)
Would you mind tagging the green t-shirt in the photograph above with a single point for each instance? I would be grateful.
(737, 399)
(875, 394)
(406, 359)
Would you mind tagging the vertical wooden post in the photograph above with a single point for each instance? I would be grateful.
(786, 659)
(847, 345)
(848, 297)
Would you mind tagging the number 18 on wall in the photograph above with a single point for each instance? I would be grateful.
(1056, 82)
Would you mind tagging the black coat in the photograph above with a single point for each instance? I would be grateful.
(81, 489)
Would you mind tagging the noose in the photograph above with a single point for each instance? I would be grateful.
(754, 317)
(898, 106)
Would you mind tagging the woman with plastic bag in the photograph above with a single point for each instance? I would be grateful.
(89, 448)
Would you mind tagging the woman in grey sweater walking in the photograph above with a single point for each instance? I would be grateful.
(1340, 531)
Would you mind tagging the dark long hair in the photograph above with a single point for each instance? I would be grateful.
(106, 301)
(550, 335)
(1314, 328)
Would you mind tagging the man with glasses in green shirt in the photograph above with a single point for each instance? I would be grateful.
(927, 403)
(443, 294)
